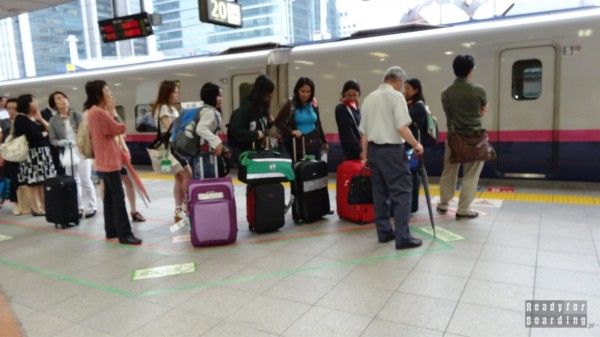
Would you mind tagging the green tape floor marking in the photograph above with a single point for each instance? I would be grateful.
(441, 233)
(67, 278)
(4, 237)
(162, 271)
(441, 246)
(283, 273)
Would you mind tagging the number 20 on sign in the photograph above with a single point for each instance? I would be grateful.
(221, 12)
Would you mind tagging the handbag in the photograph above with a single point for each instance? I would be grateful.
(69, 158)
(360, 189)
(161, 158)
(15, 149)
(84, 140)
(264, 166)
(163, 161)
(413, 159)
(472, 147)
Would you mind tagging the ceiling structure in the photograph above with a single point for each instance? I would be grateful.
(10, 8)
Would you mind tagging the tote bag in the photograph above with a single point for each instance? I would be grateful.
(15, 149)
(163, 161)
(161, 158)
(84, 140)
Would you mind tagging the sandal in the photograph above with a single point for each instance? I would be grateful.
(179, 215)
(137, 217)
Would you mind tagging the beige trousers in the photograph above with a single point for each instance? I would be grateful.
(471, 172)
(23, 203)
(31, 199)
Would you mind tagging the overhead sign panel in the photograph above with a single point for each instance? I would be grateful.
(221, 12)
(125, 27)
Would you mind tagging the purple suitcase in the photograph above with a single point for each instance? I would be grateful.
(212, 211)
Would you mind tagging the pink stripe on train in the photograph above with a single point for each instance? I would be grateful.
(588, 135)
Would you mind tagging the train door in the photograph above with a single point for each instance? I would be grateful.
(526, 112)
(241, 87)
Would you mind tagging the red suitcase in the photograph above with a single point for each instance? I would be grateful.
(363, 213)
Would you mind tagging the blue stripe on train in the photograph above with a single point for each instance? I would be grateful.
(575, 161)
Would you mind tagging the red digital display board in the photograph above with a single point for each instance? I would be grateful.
(125, 27)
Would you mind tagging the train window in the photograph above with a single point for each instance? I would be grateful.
(144, 122)
(527, 79)
(244, 90)
(120, 112)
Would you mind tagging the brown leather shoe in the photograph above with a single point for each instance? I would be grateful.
(137, 217)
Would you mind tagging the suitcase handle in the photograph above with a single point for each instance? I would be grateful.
(294, 147)
(70, 146)
(215, 163)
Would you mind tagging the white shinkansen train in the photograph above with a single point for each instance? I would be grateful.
(539, 71)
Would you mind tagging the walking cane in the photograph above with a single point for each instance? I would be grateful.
(423, 174)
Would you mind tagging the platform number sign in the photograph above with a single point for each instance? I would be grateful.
(221, 12)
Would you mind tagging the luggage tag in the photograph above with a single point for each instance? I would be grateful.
(165, 164)
(211, 195)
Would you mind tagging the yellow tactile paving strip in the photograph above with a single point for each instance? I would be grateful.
(540, 197)
(570, 199)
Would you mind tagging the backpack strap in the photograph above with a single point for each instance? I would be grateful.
(292, 110)
(352, 116)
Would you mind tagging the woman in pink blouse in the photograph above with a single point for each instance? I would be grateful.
(103, 130)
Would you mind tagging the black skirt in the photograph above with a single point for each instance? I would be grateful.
(37, 167)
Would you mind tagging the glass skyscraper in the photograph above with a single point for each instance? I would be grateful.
(49, 29)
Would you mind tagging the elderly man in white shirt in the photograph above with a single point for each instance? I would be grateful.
(384, 128)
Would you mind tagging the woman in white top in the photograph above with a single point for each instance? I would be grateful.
(209, 126)
(165, 112)
(62, 132)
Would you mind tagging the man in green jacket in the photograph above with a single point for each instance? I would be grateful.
(464, 103)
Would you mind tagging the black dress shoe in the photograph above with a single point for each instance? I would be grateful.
(109, 236)
(409, 243)
(130, 240)
(388, 237)
(91, 214)
(469, 215)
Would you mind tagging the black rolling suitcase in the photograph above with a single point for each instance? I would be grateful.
(60, 194)
(309, 189)
(265, 206)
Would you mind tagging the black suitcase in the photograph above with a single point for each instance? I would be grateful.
(265, 206)
(60, 194)
(309, 190)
